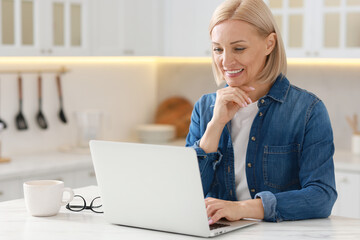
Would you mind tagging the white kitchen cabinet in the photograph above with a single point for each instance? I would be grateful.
(85, 178)
(348, 188)
(186, 27)
(44, 28)
(127, 27)
(322, 28)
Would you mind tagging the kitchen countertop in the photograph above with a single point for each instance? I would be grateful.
(42, 163)
(346, 161)
(16, 223)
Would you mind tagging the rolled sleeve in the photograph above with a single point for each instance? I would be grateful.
(214, 157)
(269, 203)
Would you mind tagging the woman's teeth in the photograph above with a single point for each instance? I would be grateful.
(235, 71)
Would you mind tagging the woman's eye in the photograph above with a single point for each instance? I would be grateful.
(218, 50)
(239, 49)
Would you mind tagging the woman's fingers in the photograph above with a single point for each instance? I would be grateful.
(217, 216)
(238, 95)
(217, 209)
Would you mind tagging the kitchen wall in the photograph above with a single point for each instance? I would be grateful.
(336, 82)
(128, 90)
(124, 90)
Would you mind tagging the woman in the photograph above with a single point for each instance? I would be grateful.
(265, 147)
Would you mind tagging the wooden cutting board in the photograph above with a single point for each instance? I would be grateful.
(175, 111)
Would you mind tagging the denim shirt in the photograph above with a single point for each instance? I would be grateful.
(289, 158)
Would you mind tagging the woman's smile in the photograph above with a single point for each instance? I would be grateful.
(233, 73)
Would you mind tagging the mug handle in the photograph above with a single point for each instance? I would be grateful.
(71, 192)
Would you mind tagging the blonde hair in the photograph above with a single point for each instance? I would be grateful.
(256, 13)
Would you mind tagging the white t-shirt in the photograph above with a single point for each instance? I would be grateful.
(240, 130)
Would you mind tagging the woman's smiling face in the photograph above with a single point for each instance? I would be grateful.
(239, 52)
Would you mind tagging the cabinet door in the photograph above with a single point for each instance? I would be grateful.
(19, 27)
(292, 18)
(339, 28)
(66, 28)
(348, 202)
(142, 27)
(108, 27)
(186, 25)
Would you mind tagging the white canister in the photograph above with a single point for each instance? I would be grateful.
(355, 144)
(89, 126)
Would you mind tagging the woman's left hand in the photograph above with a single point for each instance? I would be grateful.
(217, 209)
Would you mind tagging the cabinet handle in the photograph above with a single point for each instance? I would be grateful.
(49, 51)
(1, 193)
(129, 52)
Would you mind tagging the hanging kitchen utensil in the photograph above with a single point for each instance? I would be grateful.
(61, 112)
(20, 121)
(2, 123)
(40, 118)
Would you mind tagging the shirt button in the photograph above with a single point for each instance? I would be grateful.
(231, 192)
(260, 114)
(252, 190)
(228, 169)
(253, 138)
(249, 165)
(262, 100)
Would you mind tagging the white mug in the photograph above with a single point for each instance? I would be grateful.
(44, 198)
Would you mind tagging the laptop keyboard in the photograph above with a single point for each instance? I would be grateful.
(218, 225)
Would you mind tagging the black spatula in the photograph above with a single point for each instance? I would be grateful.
(61, 112)
(40, 118)
(20, 121)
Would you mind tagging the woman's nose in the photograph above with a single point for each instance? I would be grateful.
(228, 60)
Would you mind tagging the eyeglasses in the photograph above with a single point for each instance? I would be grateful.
(95, 205)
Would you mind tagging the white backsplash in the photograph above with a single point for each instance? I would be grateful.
(126, 93)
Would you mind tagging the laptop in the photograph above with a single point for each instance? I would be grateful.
(154, 187)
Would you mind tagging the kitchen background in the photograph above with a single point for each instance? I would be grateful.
(125, 57)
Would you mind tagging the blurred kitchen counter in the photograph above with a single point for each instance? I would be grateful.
(75, 169)
(346, 161)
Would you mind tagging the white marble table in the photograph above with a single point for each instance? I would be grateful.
(16, 223)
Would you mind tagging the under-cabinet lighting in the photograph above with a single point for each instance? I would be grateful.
(165, 60)
(324, 61)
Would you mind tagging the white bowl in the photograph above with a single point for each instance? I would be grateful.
(156, 133)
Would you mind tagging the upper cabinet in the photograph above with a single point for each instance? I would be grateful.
(127, 27)
(322, 28)
(186, 27)
(44, 28)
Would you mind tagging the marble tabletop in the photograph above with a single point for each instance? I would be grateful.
(16, 223)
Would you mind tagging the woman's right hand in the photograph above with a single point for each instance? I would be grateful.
(228, 101)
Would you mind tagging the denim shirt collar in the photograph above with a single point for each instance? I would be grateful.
(279, 89)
